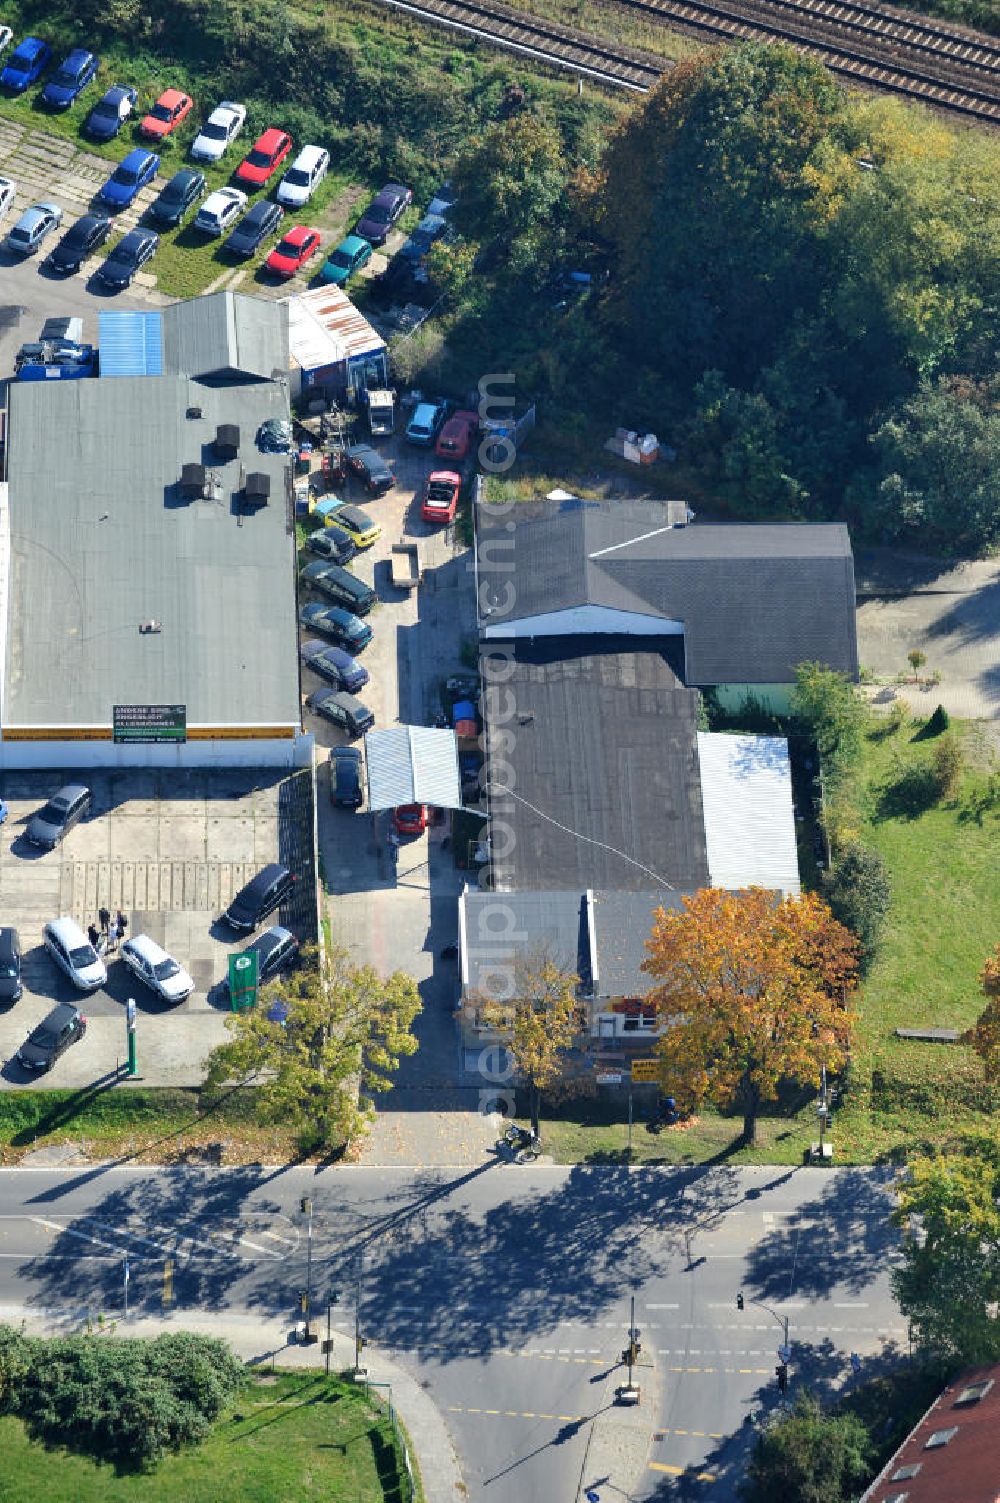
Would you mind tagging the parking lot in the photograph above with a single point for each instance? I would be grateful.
(170, 849)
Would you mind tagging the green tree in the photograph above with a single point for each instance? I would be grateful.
(947, 763)
(345, 1032)
(859, 894)
(948, 1283)
(827, 705)
(809, 1456)
(509, 181)
(541, 1019)
(939, 475)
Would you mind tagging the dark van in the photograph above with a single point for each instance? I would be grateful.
(339, 585)
(261, 896)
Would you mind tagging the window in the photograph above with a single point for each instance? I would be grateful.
(897, 1498)
(904, 1473)
(940, 1438)
(974, 1392)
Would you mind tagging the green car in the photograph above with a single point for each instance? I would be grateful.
(349, 257)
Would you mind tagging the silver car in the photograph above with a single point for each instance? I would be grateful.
(73, 953)
(156, 969)
(33, 227)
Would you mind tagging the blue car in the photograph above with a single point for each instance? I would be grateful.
(132, 174)
(70, 80)
(25, 64)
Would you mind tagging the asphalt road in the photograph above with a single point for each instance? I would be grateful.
(503, 1289)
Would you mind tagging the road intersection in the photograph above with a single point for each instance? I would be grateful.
(504, 1290)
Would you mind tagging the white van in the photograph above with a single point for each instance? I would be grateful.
(303, 177)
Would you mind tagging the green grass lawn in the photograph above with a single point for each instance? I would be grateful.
(297, 1435)
(945, 919)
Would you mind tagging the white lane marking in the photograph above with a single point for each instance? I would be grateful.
(667, 1306)
(850, 1304)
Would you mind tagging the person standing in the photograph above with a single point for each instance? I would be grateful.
(104, 919)
(112, 935)
(94, 935)
(122, 923)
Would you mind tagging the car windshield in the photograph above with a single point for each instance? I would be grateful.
(341, 258)
(83, 955)
(213, 130)
(43, 1037)
(106, 111)
(161, 112)
(164, 969)
(54, 812)
(65, 77)
(17, 233)
(297, 177)
(379, 213)
(125, 176)
(288, 248)
(260, 158)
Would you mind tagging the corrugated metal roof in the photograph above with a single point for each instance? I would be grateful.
(130, 341)
(325, 328)
(226, 331)
(102, 540)
(412, 764)
(746, 793)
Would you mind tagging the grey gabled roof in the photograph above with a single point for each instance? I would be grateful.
(226, 333)
(623, 922)
(600, 748)
(499, 931)
(101, 540)
(755, 600)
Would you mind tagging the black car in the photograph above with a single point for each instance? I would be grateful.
(173, 201)
(275, 949)
(81, 240)
(332, 543)
(261, 896)
(57, 818)
(342, 709)
(254, 228)
(345, 777)
(369, 466)
(10, 965)
(382, 213)
(64, 1025)
(335, 665)
(346, 629)
(128, 257)
(110, 113)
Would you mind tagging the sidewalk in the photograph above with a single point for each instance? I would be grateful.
(270, 1343)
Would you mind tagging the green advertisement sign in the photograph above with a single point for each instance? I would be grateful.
(243, 980)
(149, 723)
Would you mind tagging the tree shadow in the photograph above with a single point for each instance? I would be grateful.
(909, 796)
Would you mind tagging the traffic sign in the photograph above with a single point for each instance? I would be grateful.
(645, 1071)
(785, 1352)
(609, 1077)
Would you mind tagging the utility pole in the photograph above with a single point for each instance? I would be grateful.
(331, 1300)
(358, 1338)
(628, 1393)
(125, 1278)
(630, 1119)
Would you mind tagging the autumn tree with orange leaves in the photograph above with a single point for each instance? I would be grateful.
(984, 1035)
(754, 990)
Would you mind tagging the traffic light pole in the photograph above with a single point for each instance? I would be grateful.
(785, 1350)
(307, 1210)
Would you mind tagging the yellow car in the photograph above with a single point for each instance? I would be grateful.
(357, 523)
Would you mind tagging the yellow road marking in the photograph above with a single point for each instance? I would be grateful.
(679, 1471)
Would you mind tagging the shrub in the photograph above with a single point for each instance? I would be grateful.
(828, 708)
(809, 1457)
(938, 722)
(947, 765)
(859, 895)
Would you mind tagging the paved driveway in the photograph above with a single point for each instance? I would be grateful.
(950, 612)
(170, 850)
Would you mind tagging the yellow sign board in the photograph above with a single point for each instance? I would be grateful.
(645, 1071)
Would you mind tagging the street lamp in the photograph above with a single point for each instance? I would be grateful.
(784, 1351)
(307, 1210)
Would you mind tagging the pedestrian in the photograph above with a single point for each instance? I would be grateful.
(112, 934)
(94, 935)
(104, 919)
(4, 811)
(122, 923)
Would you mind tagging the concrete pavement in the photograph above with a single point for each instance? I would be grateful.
(504, 1292)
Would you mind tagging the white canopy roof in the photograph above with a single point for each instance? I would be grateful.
(412, 764)
(746, 791)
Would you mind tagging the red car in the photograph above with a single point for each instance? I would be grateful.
(166, 115)
(268, 153)
(293, 251)
(440, 498)
(410, 819)
(455, 439)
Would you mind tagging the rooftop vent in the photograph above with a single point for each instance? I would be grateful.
(150, 628)
(193, 412)
(974, 1392)
(940, 1438)
(193, 480)
(257, 489)
(227, 440)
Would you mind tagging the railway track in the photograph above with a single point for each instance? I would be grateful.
(950, 69)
